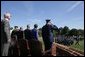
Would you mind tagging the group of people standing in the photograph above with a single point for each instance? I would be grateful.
(25, 34)
(47, 34)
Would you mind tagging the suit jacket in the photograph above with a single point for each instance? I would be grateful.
(5, 31)
(35, 33)
(28, 34)
(20, 34)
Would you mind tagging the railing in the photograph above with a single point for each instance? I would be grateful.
(61, 50)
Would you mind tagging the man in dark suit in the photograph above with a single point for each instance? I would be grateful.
(5, 34)
(14, 32)
(47, 34)
(28, 33)
(20, 34)
(35, 32)
(13, 49)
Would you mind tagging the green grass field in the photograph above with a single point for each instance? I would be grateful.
(41, 40)
(79, 47)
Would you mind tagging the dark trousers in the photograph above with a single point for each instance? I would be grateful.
(48, 46)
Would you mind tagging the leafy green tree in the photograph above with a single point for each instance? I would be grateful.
(65, 31)
(73, 32)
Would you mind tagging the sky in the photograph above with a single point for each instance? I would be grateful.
(61, 13)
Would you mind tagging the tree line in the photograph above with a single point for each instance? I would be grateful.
(66, 32)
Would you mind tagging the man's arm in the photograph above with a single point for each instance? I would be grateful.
(54, 27)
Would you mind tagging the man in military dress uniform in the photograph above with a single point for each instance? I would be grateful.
(47, 34)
